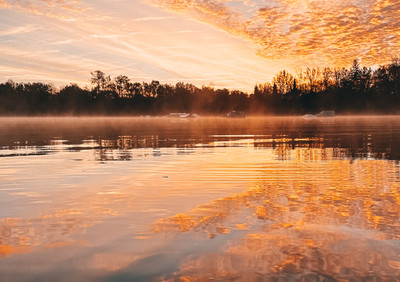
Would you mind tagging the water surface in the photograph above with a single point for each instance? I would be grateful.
(136, 199)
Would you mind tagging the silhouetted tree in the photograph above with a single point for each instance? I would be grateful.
(122, 85)
(356, 89)
(283, 82)
(327, 78)
(313, 77)
(98, 80)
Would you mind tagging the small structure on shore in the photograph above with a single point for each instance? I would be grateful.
(319, 115)
(236, 114)
(326, 114)
(182, 115)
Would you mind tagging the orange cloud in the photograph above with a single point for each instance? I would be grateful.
(334, 32)
(60, 9)
(4, 4)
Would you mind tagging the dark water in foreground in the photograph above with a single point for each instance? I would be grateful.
(129, 199)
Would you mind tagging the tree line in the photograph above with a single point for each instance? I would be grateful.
(345, 90)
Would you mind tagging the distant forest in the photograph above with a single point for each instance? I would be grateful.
(356, 90)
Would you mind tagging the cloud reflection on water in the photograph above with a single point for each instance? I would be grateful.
(332, 221)
(247, 199)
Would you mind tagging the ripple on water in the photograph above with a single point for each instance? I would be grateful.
(218, 199)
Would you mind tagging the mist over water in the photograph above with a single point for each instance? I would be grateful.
(139, 199)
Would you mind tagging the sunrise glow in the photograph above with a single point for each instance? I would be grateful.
(232, 44)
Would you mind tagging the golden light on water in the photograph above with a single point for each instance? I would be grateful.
(325, 196)
(312, 223)
(320, 198)
(279, 199)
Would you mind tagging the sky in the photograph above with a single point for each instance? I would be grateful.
(222, 43)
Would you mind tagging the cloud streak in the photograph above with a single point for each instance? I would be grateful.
(62, 44)
(60, 9)
(17, 30)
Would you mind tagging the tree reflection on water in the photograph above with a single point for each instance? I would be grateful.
(355, 137)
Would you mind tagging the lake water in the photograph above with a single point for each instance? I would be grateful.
(254, 199)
